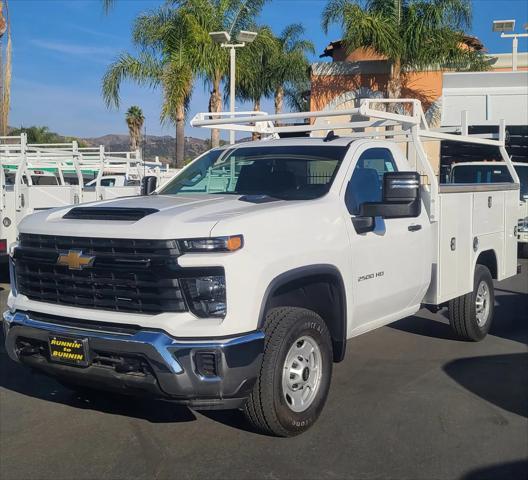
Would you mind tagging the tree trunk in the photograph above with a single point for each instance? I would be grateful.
(132, 136)
(215, 105)
(256, 108)
(180, 136)
(279, 99)
(394, 85)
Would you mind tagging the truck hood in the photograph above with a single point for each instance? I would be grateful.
(177, 216)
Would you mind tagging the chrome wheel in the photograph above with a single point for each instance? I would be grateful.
(482, 304)
(301, 375)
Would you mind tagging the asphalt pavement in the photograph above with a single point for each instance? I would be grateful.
(409, 402)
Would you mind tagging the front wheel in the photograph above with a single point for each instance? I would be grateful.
(294, 379)
(471, 315)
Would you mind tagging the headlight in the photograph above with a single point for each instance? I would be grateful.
(206, 296)
(212, 244)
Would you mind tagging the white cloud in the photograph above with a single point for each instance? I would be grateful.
(74, 49)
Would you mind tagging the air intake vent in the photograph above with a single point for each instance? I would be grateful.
(109, 213)
(206, 364)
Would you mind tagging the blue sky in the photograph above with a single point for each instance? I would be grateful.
(62, 48)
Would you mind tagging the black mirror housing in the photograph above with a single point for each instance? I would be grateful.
(401, 197)
(148, 184)
(363, 224)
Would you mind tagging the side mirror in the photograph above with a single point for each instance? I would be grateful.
(401, 197)
(363, 224)
(148, 184)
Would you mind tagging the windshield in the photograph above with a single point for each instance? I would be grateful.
(489, 174)
(285, 172)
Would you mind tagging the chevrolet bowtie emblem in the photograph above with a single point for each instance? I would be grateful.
(75, 260)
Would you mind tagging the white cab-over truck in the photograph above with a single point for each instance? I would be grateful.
(238, 283)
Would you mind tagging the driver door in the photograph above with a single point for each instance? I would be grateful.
(389, 263)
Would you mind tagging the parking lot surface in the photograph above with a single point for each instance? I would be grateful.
(409, 402)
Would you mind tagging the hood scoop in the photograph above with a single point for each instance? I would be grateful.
(258, 199)
(109, 213)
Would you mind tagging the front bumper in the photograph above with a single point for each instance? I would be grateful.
(142, 361)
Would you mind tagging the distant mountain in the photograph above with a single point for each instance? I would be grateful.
(155, 146)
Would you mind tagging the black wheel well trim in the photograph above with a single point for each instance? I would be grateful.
(485, 258)
(308, 271)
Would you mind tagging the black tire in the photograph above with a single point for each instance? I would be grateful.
(463, 311)
(267, 407)
(523, 250)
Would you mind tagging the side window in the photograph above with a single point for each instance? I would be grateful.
(366, 182)
(107, 182)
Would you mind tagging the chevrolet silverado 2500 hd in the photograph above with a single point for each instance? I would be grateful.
(238, 283)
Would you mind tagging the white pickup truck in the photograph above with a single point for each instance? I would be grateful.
(238, 283)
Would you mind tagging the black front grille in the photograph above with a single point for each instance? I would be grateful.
(127, 275)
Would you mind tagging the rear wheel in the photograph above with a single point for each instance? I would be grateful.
(471, 315)
(293, 383)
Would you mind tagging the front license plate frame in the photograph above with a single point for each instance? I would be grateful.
(69, 350)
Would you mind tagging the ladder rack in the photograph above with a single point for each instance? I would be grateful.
(408, 125)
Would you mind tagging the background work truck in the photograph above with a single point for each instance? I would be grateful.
(36, 177)
(238, 283)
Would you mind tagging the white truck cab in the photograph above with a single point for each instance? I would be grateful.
(238, 283)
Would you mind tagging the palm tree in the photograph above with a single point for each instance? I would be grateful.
(290, 65)
(134, 119)
(5, 68)
(209, 58)
(164, 37)
(411, 34)
(297, 95)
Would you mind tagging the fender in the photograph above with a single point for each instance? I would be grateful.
(337, 326)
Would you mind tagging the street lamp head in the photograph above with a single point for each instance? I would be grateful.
(220, 37)
(246, 37)
(503, 25)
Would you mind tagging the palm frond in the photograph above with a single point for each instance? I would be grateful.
(143, 70)
(107, 5)
(177, 81)
(333, 13)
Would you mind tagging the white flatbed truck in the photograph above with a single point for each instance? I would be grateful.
(243, 294)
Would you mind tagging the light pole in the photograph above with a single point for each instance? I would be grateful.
(504, 26)
(224, 39)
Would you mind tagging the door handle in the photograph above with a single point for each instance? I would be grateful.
(414, 228)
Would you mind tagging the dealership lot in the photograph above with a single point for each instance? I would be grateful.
(408, 402)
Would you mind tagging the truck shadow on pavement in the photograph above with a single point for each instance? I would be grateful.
(497, 379)
(509, 322)
(502, 471)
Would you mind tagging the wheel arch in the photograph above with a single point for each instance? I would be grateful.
(488, 258)
(316, 287)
